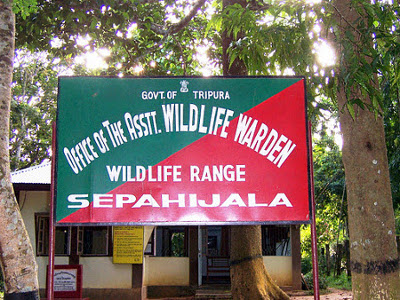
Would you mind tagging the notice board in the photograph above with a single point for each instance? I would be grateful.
(128, 245)
(67, 281)
(182, 150)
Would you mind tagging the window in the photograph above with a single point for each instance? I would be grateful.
(90, 241)
(94, 241)
(149, 249)
(276, 240)
(171, 241)
(62, 237)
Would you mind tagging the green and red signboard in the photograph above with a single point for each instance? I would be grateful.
(182, 150)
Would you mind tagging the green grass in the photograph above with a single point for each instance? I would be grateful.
(342, 282)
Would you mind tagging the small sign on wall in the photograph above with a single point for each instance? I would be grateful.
(128, 245)
(67, 281)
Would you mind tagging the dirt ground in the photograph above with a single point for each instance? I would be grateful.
(330, 294)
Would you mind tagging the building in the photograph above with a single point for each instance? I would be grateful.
(177, 260)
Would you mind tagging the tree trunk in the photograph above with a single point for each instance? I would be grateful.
(328, 259)
(249, 277)
(338, 261)
(17, 258)
(347, 256)
(373, 252)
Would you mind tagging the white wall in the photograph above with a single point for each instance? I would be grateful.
(100, 272)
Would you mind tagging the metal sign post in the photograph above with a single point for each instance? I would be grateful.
(50, 269)
(314, 248)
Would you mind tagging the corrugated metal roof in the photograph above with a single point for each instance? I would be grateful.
(40, 174)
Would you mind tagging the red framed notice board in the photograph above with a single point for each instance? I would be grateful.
(182, 150)
(67, 281)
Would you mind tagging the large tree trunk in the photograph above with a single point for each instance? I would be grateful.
(249, 277)
(373, 251)
(17, 258)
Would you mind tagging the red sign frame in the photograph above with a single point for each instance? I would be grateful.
(77, 292)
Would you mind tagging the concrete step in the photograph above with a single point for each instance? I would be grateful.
(219, 291)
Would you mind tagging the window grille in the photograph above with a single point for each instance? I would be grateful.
(276, 240)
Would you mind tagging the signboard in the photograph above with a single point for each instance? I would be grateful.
(182, 150)
(128, 245)
(67, 281)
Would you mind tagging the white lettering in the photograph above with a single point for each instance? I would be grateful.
(146, 200)
(120, 200)
(103, 200)
(234, 199)
(78, 198)
(166, 200)
(280, 199)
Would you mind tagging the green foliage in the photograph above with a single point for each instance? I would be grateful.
(178, 244)
(338, 282)
(24, 8)
(33, 108)
(306, 264)
(391, 90)
(397, 220)
(273, 37)
(331, 207)
(138, 33)
(367, 47)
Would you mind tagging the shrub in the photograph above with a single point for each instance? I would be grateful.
(306, 265)
(322, 280)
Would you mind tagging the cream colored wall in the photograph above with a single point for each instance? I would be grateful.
(32, 202)
(98, 272)
(42, 262)
(174, 271)
(279, 268)
(165, 271)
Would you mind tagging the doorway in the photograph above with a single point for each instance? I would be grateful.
(215, 254)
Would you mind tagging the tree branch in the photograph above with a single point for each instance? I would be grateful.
(179, 26)
(173, 29)
(258, 6)
(345, 19)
